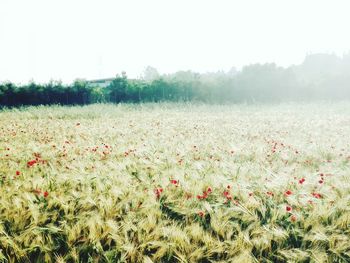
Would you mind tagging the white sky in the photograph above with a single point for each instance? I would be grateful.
(68, 39)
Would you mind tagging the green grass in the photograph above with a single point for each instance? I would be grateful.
(107, 171)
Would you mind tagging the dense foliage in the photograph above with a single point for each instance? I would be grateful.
(320, 76)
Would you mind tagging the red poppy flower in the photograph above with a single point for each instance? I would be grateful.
(302, 180)
(288, 208)
(31, 163)
(288, 192)
(209, 190)
(158, 191)
(174, 182)
(320, 181)
(201, 213)
(317, 195)
(18, 173)
(227, 195)
(46, 194)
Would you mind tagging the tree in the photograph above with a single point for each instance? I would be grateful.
(150, 74)
(117, 89)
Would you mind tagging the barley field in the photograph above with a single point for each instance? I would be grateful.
(175, 183)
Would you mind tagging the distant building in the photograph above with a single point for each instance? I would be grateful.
(100, 82)
(103, 83)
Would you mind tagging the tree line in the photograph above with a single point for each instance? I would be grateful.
(319, 77)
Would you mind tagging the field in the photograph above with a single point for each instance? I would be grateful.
(175, 183)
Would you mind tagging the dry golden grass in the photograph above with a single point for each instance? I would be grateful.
(175, 183)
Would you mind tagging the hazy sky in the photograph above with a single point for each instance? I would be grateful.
(68, 39)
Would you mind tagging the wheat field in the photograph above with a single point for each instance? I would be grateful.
(175, 183)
